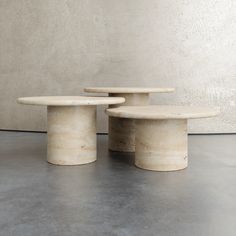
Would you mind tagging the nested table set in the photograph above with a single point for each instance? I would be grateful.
(157, 134)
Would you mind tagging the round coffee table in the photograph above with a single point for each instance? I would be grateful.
(121, 131)
(71, 126)
(161, 133)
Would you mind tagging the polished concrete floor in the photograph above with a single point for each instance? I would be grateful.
(111, 196)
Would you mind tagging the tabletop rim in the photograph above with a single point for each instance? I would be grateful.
(129, 90)
(155, 112)
(69, 100)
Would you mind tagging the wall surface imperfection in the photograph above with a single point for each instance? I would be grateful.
(58, 47)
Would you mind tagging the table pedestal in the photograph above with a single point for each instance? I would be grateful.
(71, 135)
(161, 145)
(122, 131)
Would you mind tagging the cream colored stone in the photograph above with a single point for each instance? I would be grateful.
(161, 145)
(162, 112)
(71, 126)
(71, 135)
(128, 90)
(122, 131)
(161, 133)
(69, 100)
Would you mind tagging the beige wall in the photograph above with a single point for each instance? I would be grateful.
(53, 47)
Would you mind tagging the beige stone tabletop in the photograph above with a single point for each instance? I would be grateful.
(162, 112)
(69, 100)
(128, 90)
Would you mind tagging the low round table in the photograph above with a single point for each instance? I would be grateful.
(121, 131)
(71, 127)
(161, 133)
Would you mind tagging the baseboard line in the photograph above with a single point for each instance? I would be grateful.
(30, 131)
(212, 133)
(23, 131)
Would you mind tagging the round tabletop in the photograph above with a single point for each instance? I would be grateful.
(69, 100)
(127, 90)
(162, 112)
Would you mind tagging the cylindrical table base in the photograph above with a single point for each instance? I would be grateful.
(161, 145)
(121, 134)
(71, 135)
(122, 131)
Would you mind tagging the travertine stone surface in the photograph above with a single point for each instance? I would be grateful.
(161, 145)
(122, 131)
(71, 126)
(162, 112)
(131, 99)
(128, 90)
(69, 100)
(71, 135)
(161, 133)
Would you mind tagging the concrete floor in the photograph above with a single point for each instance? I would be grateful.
(111, 196)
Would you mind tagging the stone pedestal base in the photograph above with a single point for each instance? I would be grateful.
(161, 145)
(71, 135)
(122, 131)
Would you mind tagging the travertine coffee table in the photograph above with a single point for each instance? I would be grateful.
(71, 126)
(161, 133)
(121, 131)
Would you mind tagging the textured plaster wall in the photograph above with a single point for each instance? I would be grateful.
(53, 47)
